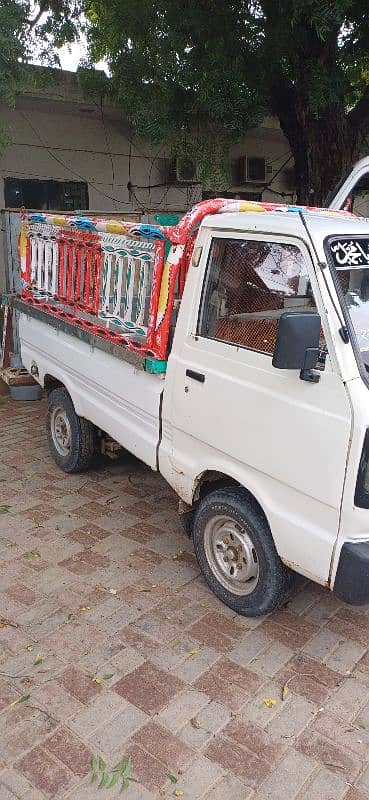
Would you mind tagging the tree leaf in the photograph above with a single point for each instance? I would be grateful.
(38, 660)
(119, 767)
(128, 768)
(35, 553)
(113, 781)
(108, 676)
(22, 699)
(94, 763)
(360, 724)
(125, 783)
(104, 780)
(4, 509)
(101, 764)
(172, 778)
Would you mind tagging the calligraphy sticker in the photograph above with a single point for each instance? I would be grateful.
(349, 253)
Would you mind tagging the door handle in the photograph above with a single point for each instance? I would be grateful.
(196, 376)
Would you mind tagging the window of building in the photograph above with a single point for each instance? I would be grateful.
(45, 195)
(249, 285)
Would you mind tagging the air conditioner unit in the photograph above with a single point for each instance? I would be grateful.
(182, 170)
(248, 169)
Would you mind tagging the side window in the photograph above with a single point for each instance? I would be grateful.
(358, 200)
(248, 285)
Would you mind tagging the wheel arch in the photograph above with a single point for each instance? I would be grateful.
(211, 480)
(51, 383)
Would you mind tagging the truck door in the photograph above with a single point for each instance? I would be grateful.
(228, 410)
(352, 193)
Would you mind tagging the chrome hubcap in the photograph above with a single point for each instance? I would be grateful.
(231, 555)
(60, 430)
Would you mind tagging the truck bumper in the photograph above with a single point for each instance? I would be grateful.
(352, 578)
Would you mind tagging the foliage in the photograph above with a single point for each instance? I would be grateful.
(31, 31)
(108, 778)
(189, 72)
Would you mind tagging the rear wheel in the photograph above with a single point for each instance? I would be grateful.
(71, 438)
(237, 554)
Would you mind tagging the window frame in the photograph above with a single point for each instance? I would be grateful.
(46, 185)
(254, 236)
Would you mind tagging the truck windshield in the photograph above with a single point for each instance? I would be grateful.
(351, 260)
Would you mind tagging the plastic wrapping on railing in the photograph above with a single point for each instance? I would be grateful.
(155, 291)
(83, 293)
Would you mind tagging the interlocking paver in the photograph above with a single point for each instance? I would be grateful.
(139, 658)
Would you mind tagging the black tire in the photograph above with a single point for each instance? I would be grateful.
(272, 578)
(79, 454)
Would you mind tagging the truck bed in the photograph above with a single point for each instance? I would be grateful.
(107, 382)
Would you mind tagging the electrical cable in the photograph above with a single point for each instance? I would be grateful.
(71, 170)
(107, 143)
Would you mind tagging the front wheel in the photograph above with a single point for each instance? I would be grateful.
(237, 554)
(71, 438)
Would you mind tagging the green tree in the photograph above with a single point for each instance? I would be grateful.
(32, 31)
(196, 74)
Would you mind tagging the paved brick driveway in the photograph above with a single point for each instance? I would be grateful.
(120, 648)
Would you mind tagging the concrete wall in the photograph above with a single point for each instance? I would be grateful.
(56, 134)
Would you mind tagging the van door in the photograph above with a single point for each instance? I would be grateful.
(228, 410)
(352, 193)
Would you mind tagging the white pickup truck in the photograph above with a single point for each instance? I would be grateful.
(231, 353)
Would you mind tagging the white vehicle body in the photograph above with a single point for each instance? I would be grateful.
(225, 410)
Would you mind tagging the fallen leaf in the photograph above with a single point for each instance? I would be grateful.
(104, 780)
(85, 608)
(269, 702)
(360, 724)
(195, 722)
(178, 793)
(7, 623)
(67, 618)
(108, 676)
(174, 558)
(192, 653)
(30, 648)
(38, 660)
(35, 553)
(285, 692)
(112, 591)
(172, 777)
(4, 509)
(97, 680)
(20, 700)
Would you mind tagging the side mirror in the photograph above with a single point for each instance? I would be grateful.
(297, 344)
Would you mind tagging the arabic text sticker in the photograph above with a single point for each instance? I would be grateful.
(350, 253)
